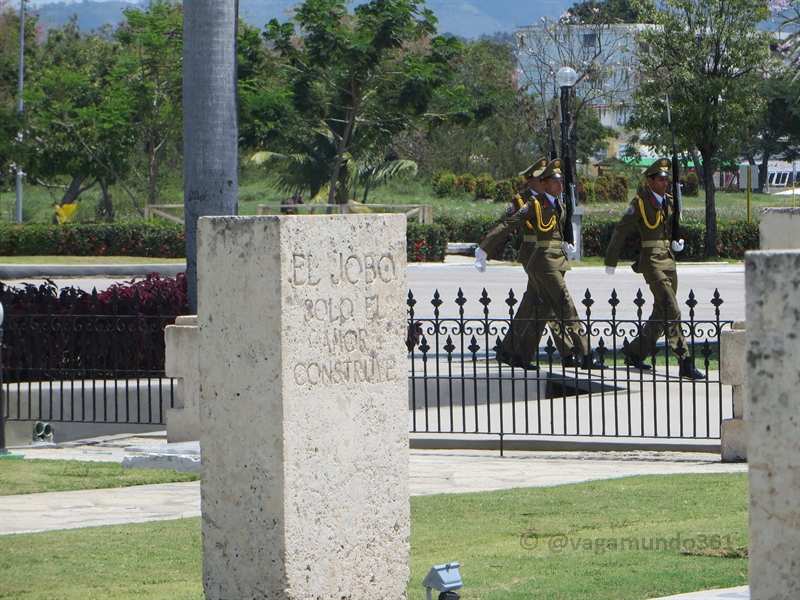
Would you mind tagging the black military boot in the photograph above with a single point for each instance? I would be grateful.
(688, 371)
(634, 361)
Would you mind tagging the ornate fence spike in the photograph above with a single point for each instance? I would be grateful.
(511, 300)
(474, 347)
(717, 301)
(449, 348)
(588, 302)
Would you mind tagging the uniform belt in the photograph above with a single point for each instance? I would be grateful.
(655, 244)
(550, 244)
(529, 238)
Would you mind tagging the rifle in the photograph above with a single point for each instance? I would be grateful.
(676, 182)
(566, 158)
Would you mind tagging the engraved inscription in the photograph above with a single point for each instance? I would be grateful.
(346, 371)
(330, 310)
(347, 345)
(344, 268)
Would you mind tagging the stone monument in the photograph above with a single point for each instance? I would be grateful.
(303, 406)
(773, 422)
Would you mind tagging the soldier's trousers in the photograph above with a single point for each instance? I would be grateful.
(552, 288)
(663, 291)
(523, 336)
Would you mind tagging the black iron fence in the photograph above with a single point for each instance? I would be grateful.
(110, 368)
(66, 362)
(458, 385)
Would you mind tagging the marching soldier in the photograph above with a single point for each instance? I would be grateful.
(520, 347)
(548, 264)
(653, 215)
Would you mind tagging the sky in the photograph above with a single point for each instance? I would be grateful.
(466, 18)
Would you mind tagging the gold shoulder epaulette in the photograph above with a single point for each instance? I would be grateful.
(647, 223)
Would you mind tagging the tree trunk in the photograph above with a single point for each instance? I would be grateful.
(351, 120)
(74, 189)
(108, 207)
(210, 130)
(763, 171)
(711, 208)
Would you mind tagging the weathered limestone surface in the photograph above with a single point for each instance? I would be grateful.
(773, 382)
(183, 421)
(303, 412)
(779, 229)
(733, 372)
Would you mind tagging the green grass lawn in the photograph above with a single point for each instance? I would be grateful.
(37, 476)
(557, 542)
(256, 188)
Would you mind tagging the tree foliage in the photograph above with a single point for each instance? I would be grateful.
(704, 55)
(490, 131)
(355, 80)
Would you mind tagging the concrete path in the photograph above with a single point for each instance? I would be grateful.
(432, 472)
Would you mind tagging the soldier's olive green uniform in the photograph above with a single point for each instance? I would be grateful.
(656, 263)
(546, 267)
(522, 338)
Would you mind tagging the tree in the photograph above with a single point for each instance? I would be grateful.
(210, 137)
(375, 70)
(776, 129)
(488, 129)
(603, 55)
(703, 53)
(148, 74)
(75, 126)
(611, 11)
(11, 125)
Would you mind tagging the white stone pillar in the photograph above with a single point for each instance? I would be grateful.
(733, 372)
(180, 340)
(303, 413)
(773, 384)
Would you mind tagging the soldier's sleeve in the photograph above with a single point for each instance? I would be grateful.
(626, 223)
(507, 224)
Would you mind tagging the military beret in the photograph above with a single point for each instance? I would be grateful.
(554, 169)
(535, 169)
(659, 168)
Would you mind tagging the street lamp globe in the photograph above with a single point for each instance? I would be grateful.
(566, 77)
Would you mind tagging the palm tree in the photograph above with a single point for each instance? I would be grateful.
(210, 137)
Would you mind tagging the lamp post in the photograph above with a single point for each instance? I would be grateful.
(567, 78)
(20, 84)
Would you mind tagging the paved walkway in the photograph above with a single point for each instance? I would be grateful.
(431, 472)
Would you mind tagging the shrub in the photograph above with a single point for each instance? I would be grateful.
(484, 186)
(690, 185)
(734, 238)
(134, 238)
(68, 333)
(444, 184)
(474, 229)
(465, 183)
(504, 191)
(586, 193)
(426, 243)
(610, 188)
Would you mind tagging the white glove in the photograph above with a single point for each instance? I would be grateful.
(567, 248)
(609, 270)
(677, 246)
(480, 260)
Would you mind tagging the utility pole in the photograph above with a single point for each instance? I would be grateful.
(19, 100)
